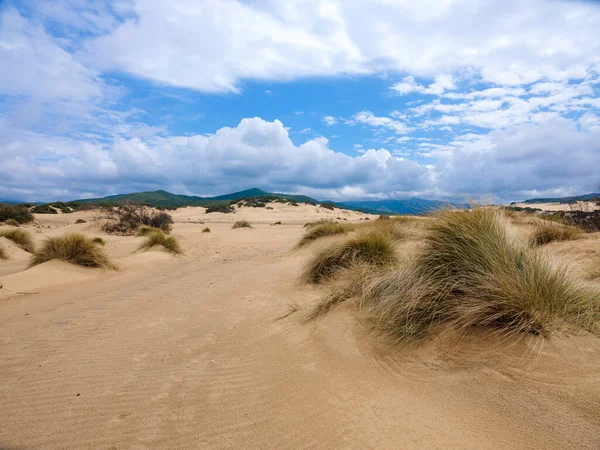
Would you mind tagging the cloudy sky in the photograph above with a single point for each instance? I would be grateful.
(339, 99)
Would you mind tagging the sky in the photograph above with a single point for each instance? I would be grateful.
(337, 99)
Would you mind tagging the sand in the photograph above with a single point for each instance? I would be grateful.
(199, 351)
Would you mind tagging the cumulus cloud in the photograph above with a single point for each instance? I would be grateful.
(330, 120)
(368, 118)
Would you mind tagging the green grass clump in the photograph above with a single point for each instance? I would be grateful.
(20, 214)
(471, 273)
(206, 230)
(145, 230)
(241, 224)
(73, 248)
(99, 241)
(326, 228)
(546, 232)
(158, 237)
(20, 237)
(373, 249)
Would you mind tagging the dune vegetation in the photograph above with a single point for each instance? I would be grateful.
(206, 230)
(3, 253)
(546, 232)
(20, 237)
(241, 224)
(158, 237)
(470, 272)
(99, 241)
(321, 229)
(73, 248)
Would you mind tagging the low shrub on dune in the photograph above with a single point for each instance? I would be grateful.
(12, 223)
(20, 237)
(374, 249)
(145, 230)
(546, 232)
(19, 214)
(206, 230)
(158, 237)
(2, 253)
(326, 228)
(73, 248)
(99, 241)
(470, 273)
(78, 221)
(241, 224)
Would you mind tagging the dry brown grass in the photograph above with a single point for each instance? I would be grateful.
(241, 224)
(3, 253)
(145, 230)
(73, 248)
(20, 237)
(470, 273)
(546, 232)
(206, 230)
(158, 237)
(323, 228)
(373, 248)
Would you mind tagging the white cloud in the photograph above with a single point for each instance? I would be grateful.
(330, 120)
(268, 92)
(368, 118)
(407, 86)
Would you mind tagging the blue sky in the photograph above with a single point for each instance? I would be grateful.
(336, 99)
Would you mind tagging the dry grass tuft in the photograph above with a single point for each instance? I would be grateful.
(2, 253)
(78, 221)
(158, 237)
(206, 230)
(20, 237)
(325, 228)
(472, 274)
(241, 224)
(373, 248)
(12, 223)
(99, 241)
(73, 248)
(546, 232)
(145, 230)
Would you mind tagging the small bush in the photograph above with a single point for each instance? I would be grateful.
(220, 207)
(327, 228)
(44, 209)
(374, 249)
(241, 224)
(277, 223)
(547, 232)
(99, 241)
(19, 214)
(73, 248)
(206, 230)
(12, 223)
(158, 237)
(127, 217)
(20, 237)
(327, 205)
(78, 221)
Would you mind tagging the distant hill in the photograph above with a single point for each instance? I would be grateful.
(577, 198)
(412, 206)
(255, 192)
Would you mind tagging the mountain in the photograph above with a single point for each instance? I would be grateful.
(166, 199)
(412, 206)
(576, 198)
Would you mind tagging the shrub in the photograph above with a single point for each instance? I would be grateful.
(20, 237)
(327, 205)
(2, 253)
(472, 274)
(12, 223)
(241, 224)
(206, 230)
(547, 232)
(99, 241)
(277, 223)
(220, 207)
(73, 248)
(80, 221)
(127, 217)
(17, 213)
(44, 209)
(294, 204)
(158, 237)
(374, 249)
(327, 228)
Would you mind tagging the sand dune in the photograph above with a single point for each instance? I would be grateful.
(198, 351)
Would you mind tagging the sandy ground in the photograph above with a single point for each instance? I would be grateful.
(580, 206)
(198, 351)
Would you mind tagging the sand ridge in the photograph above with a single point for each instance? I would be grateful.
(197, 351)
